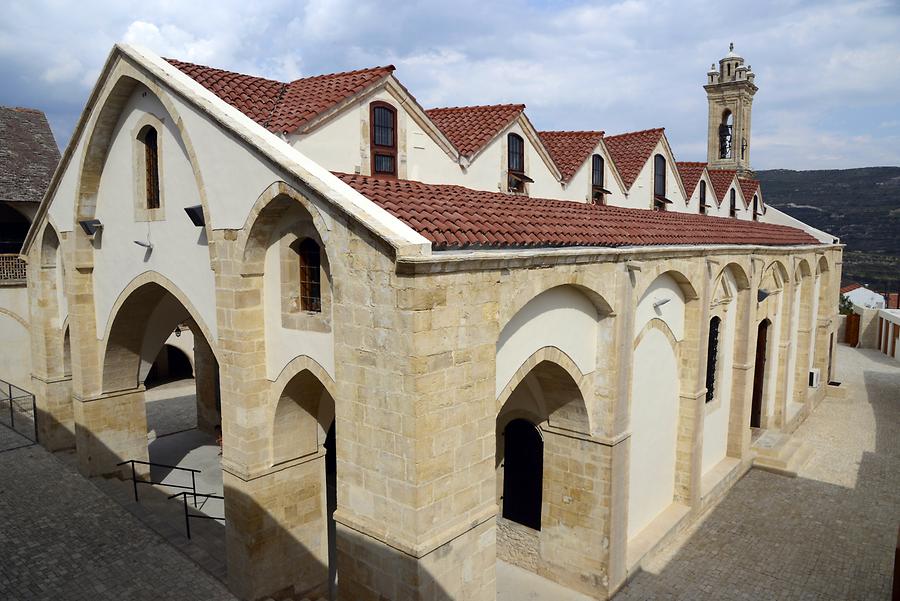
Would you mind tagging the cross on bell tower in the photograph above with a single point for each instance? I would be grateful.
(729, 90)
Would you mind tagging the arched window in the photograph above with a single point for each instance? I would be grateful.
(702, 197)
(310, 275)
(515, 163)
(712, 358)
(149, 138)
(523, 470)
(383, 139)
(659, 183)
(597, 179)
(732, 204)
(755, 207)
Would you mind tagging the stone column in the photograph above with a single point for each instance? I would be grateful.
(276, 538)
(574, 548)
(206, 379)
(50, 384)
(110, 428)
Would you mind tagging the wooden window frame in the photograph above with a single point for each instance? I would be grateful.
(598, 191)
(712, 356)
(310, 282)
(380, 150)
(702, 186)
(152, 197)
(659, 199)
(516, 178)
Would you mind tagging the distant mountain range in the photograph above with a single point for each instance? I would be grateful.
(860, 206)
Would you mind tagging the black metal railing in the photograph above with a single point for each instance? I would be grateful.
(135, 481)
(22, 402)
(199, 516)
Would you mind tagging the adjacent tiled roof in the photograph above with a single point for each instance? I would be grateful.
(690, 175)
(570, 149)
(748, 188)
(470, 128)
(631, 150)
(28, 154)
(453, 217)
(278, 106)
(721, 181)
(850, 288)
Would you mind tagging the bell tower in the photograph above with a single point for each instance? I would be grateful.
(729, 90)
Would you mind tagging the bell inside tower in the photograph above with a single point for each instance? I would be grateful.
(726, 128)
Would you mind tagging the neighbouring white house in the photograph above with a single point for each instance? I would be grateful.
(862, 297)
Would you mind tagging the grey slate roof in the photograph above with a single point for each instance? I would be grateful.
(28, 154)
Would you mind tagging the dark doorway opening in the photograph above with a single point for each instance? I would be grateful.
(330, 507)
(759, 374)
(171, 364)
(523, 469)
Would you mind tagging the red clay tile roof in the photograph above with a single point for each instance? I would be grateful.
(721, 181)
(850, 288)
(470, 128)
(453, 217)
(690, 175)
(570, 149)
(631, 150)
(748, 188)
(282, 107)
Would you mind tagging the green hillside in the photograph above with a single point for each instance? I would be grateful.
(860, 206)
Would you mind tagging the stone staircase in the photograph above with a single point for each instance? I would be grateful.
(780, 453)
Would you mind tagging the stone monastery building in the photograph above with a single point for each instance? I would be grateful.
(553, 348)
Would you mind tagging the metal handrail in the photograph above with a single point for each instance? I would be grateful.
(7, 389)
(188, 515)
(135, 481)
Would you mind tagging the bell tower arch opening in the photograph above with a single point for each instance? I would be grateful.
(730, 89)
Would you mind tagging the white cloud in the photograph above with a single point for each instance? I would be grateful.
(828, 71)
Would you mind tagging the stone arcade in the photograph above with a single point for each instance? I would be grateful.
(505, 349)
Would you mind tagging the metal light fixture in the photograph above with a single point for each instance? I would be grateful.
(196, 215)
(661, 302)
(91, 226)
(147, 245)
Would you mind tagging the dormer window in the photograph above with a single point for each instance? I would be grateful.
(515, 163)
(732, 204)
(659, 183)
(756, 212)
(383, 139)
(149, 138)
(598, 192)
(702, 197)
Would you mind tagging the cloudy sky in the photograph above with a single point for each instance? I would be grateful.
(828, 72)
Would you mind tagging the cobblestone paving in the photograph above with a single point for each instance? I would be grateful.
(63, 539)
(171, 407)
(827, 535)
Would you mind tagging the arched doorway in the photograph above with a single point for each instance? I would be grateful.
(304, 449)
(523, 469)
(542, 442)
(180, 420)
(759, 374)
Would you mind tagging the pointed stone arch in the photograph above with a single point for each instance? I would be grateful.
(123, 81)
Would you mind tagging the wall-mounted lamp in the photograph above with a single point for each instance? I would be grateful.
(91, 226)
(661, 302)
(147, 245)
(762, 294)
(196, 215)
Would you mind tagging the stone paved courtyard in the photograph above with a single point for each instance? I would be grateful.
(826, 535)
